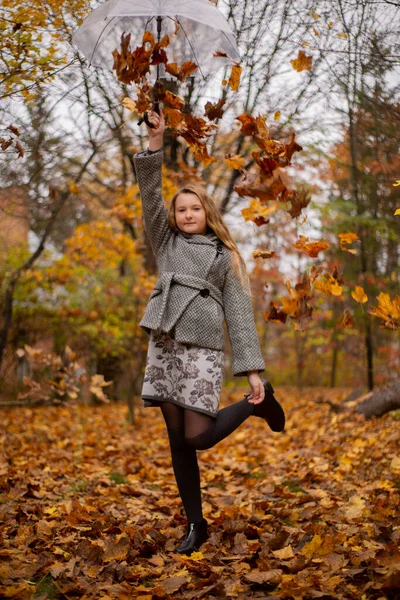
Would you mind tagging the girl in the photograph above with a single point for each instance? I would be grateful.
(202, 281)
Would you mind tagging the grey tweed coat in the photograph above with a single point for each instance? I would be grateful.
(198, 285)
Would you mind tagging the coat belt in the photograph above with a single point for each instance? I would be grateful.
(205, 288)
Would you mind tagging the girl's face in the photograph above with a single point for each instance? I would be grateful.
(190, 215)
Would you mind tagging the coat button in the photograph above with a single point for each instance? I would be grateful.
(219, 248)
(205, 293)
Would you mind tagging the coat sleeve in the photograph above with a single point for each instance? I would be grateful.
(149, 175)
(239, 317)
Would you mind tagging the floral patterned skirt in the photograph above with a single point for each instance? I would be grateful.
(185, 375)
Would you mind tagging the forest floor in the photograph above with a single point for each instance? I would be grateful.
(89, 506)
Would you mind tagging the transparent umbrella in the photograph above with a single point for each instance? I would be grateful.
(199, 29)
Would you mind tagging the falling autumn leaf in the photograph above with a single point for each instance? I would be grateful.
(397, 212)
(298, 200)
(329, 285)
(173, 117)
(347, 320)
(277, 115)
(20, 149)
(388, 310)
(181, 72)
(256, 210)
(359, 295)
(234, 80)
(14, 130)
(130, 105)
(275, 315)
(315, 15)
(348, 238)
(302, 62)
(263, 254)
(215, 111)
(312, 249)
(236, 162)
(397, 183)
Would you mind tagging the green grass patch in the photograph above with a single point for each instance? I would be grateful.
(117, 478)
(294, 487)
(45, 588)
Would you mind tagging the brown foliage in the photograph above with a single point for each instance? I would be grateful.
(94, 510)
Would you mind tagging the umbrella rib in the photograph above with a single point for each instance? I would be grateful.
(98, 39)
(190, 44)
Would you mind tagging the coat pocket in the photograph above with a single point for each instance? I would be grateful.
(202, 323)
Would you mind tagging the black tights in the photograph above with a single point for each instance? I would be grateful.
(189, 431)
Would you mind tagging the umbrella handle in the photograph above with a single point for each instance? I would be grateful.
(145, 117)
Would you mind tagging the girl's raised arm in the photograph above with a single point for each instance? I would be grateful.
(149, 174)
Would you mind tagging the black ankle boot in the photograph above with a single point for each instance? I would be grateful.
(270, 410)
(196, 536)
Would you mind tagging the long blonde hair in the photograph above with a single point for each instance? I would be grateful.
(214, 221)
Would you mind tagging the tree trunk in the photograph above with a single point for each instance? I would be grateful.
(383, 401)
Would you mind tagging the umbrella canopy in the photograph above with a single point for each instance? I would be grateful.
(197, 29)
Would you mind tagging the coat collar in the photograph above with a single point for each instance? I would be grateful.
(209, 239)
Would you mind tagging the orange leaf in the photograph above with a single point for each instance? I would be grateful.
(256, 210)
(329, 285)
(236, 162)
(275, 189)
(173, 117)
(302, 62)
(182, 72)
(234, 80)
(359, 295)
(347, 320)
(310, 248)
(348, 238)
(388, 310)
(248, 122)
(263, 254)
(275, 315)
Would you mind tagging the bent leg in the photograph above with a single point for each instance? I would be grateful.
(184, 462)
(203, 432)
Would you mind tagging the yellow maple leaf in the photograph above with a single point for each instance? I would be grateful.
(388, 310)
(302, 62)
(329, 285)
(397, 212)
(129, 104)
(256, 209)
(359, 295)
(348, 238)
(397, 183)
(236, 162)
